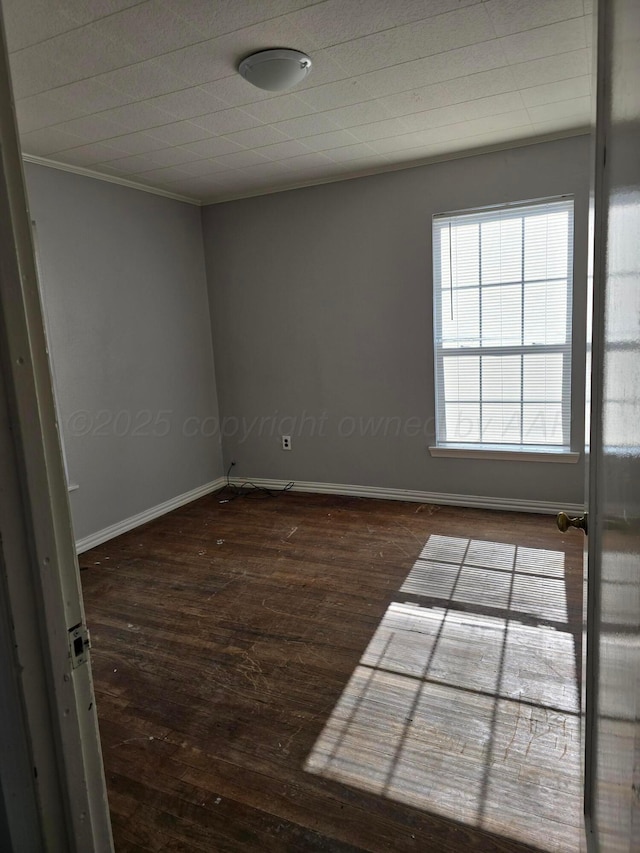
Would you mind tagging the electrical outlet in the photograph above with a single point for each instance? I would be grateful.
(286, 442)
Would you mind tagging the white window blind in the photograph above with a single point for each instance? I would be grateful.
(502, 326)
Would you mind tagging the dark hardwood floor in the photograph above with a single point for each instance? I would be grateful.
(317, 673)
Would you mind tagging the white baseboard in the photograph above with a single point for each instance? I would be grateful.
(474, 501)
(127, 524)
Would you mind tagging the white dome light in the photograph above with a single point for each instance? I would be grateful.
(276, 69)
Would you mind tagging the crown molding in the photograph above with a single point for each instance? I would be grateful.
(330, 179)
(110, 179)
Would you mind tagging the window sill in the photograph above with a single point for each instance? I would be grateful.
(515, 455)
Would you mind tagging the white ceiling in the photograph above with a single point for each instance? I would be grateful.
(148, 91)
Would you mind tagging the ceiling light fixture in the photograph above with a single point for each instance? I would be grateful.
(276, 69)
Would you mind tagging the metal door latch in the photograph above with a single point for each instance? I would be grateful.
(565, 521)
(79, 644)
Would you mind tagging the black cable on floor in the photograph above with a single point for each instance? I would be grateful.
(248, 488)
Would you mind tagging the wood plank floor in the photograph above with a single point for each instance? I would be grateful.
(317, 673)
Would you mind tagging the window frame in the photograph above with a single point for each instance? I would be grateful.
(483, 449)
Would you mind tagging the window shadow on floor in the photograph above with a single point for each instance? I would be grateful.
(466, 702)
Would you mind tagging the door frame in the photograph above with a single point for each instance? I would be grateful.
(48, 677)
(598, 215)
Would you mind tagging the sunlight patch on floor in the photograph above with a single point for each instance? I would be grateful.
(471, 715)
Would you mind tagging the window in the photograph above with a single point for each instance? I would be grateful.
(502, 327)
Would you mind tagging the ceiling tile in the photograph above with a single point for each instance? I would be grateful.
(130, 165)
(199, 63)
(335, 21)
(351, 152)
(362, 113)
(408, 141)
(544, 41)
(409, 75)
(462, 130)
(179, 132)
(229, 15)
(90, 96)
(143, 80)
(415, 41)
(309, 174)
(204, 167)
(257, 136)
(213, 147)
(241, 159)
(270, 168)
(84, 12)
(93, 128)
(47, 141)
(137, 143)
(493, 123)
(485, 83)
(579, 107)
(43, 110)
(379, 129)
(284, 150)
(563, 90)
(563, 66)
(279, 109)
(360, 164)
(514, 16)
(226, 121)
(138, 116)
(564, 123)
(30, 23)
(334, 139)
(187, 103)
(32, 74)
(148, 29)
(478, 108)
(310, 125)
(309, 161)
(342, 93)
(235, 92)
(72, 56)
(88, 155)
(177, 155)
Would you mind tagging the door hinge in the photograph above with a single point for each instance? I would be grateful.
(79, 644)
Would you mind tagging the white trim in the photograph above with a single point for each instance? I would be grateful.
(330, 179)
(110, 179)
(40, 572)
(473, 501)
(566, 457)
(127, 524)
(381, 493)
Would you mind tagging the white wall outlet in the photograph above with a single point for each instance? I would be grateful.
(286, 442)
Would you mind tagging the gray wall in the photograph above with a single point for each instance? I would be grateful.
(124, 289)
(321, 305)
